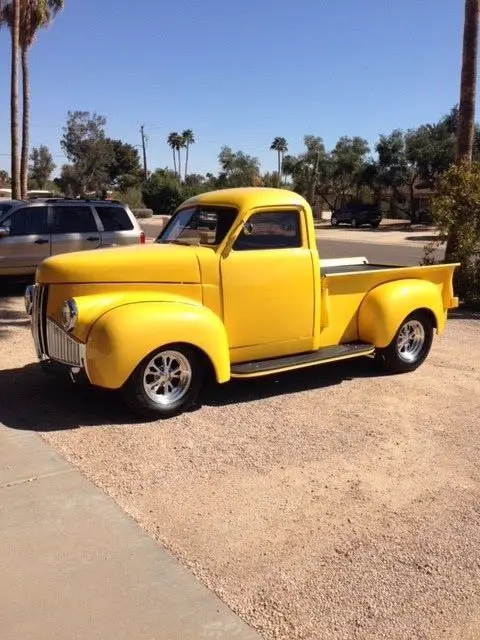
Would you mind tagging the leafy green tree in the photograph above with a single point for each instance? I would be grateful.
(90, 152)
(162, 192)
(456, 212)
(279, 145)
(238, 169)
(188, 138)
(42, 166)
(4, 178)
(125, 170)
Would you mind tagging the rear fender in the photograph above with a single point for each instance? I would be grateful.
(123, 336)
(385, 307)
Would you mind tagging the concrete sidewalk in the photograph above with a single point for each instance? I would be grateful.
(74, 566)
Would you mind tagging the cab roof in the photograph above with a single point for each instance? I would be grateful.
(248, 197)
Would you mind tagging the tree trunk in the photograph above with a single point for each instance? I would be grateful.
(186, 160)
(174, 161)
(279, 178)
(179, 165)
(15, 164)
(25, 123)
(466, 126)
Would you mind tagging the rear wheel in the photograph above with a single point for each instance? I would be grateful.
(410, 345)
(167, 382)
(354, 223)
(375, 225)
(334, 221)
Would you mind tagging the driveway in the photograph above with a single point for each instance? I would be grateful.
(330, 503)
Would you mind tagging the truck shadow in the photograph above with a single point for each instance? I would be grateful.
(34, 401)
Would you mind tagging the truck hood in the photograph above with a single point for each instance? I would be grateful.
(138, 263)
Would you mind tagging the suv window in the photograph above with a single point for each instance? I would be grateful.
(73, 219)
(28, 221)
(114, 218)
(272, 230)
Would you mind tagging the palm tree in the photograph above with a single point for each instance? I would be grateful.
(279, 145)
(188, 139)
(172, 141)
(15, 34)
(33, 14)
(466, 127)
(180, 144)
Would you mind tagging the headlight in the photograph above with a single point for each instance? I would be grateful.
(69, 315)
(28, 298)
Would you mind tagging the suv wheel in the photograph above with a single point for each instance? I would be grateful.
(354, 223)
(334, 221)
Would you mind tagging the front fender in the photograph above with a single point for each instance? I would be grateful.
(384, 307)
(123, 336)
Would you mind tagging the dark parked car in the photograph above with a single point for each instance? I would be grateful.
(357, 215)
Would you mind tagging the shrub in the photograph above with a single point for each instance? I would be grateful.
(162, 193)
(131, 196)
(456, 212)
(142, 214)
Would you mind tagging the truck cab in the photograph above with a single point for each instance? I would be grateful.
(233, 285)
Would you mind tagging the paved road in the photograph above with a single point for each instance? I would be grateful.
(380, 253)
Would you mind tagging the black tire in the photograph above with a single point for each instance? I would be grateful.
(354, 223)
(375, 225)
(334, 221)
(135, 391)
(393, 360)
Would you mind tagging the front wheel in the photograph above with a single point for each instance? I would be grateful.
(166, 383)
(334, 221)
(354, 223)
(410, 345)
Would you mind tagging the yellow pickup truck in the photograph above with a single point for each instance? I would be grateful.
(233, 286)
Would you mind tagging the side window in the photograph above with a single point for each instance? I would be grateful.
(272, 230)
(114, 218)
(73, 219)
(28, 221)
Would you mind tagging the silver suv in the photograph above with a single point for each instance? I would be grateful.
(31, 231)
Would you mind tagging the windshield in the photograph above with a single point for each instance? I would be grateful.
(203, 224)
(5, 206)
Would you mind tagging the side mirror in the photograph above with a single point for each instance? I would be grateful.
(4, 231)
(248, 228)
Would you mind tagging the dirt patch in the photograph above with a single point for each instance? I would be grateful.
(330, 503)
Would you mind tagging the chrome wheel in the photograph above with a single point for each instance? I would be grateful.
(167, 377)
(410, 341)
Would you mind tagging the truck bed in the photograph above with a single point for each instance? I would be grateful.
(354, 268)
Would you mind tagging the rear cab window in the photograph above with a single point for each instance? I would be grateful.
(270, 230)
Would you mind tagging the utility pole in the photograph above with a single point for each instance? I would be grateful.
(142, 133)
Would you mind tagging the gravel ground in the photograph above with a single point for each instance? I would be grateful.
(325, 504)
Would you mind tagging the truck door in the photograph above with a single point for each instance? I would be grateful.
(268, 285)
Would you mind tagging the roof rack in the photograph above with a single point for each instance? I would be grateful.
(77, 200)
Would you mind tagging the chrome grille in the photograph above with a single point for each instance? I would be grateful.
(39, 312)
(61, 346)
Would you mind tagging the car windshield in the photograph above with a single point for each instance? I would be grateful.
(5, 206)
(206, 225)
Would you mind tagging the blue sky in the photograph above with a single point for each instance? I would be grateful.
(241, 73)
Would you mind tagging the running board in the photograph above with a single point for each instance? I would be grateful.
(300, 360)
